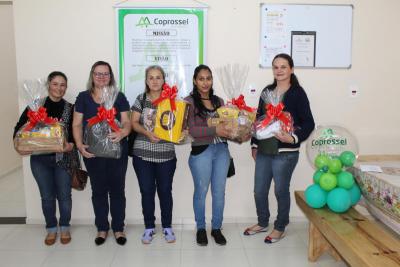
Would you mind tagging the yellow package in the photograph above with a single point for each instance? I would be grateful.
(169, 124)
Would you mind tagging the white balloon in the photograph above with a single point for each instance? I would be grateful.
(330, 140)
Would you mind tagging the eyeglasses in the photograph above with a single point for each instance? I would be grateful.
(101, 74)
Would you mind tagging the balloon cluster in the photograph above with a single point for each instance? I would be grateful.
(333, 185)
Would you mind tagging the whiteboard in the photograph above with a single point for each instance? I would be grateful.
(332, 25)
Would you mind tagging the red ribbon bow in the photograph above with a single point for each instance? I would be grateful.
(38, 116)
(167, 93)
(105, 115)
(275, 112)
(241, 104)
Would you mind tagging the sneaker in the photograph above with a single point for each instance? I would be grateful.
(201, 237)
(218, 237)
(169, 235)
(148, 236)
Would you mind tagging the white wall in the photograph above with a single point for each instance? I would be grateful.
(9, 159)
(71, 35)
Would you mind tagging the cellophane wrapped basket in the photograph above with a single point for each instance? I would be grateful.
(236, 115)
(275, 119)
(100, 126)
(41, 134)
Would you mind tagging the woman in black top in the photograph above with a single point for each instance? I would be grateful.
(276, 157)
(51, 170)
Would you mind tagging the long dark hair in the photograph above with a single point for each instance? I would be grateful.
(90, 83)
(294, 82)
(200, 108)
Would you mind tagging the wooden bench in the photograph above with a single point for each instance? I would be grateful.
(349, 236)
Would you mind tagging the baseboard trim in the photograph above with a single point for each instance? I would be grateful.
(12, 220)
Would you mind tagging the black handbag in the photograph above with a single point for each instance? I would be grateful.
(231, 170)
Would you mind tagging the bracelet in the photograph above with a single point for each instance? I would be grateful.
(294, 140)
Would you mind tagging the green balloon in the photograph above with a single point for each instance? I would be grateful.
(328, 181)
(315, 196)
(355, 194)
(321, 161)
(347, 158)
(317, 175)
(345, 180)
(339, 200)
(335, 166)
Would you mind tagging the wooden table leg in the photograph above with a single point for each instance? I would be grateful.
(318, 245)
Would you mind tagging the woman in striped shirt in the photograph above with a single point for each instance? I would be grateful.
(153, 160)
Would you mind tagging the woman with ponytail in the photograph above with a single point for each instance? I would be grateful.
(276, 157)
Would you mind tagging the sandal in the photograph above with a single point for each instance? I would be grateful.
(270, 240)
(255, 229)
(50, 239)
(65, 237)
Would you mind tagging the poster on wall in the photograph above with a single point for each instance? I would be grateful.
(173, 38)
(303, 48)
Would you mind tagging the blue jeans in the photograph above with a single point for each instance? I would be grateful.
(107, 178)
(154, 176)
(54, 183)
(279, 168)
(210, 166)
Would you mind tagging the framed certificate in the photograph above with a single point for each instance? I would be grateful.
(303, 48)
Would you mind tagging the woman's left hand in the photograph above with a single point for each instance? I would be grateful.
(284, 137)
(116, 136)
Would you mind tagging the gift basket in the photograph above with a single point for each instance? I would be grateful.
(100, 126)
(170, 119)
(274, 120)
(236, 115)
(41, 134)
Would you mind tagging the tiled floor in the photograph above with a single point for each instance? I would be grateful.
(12, 198)
(22, 245)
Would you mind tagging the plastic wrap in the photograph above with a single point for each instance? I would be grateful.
(171, 117)
(100, 126)
(275, 119)
(236, 115)
(41, 134)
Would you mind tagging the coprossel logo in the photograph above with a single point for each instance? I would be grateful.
(143, 22)
(328, 137)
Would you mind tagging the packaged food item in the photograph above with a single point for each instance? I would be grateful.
(101, 125)
(171, 116)
(41, 134)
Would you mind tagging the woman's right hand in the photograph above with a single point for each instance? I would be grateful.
(222, 130)
(254, 153)
(153, 138)
(82, 149)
